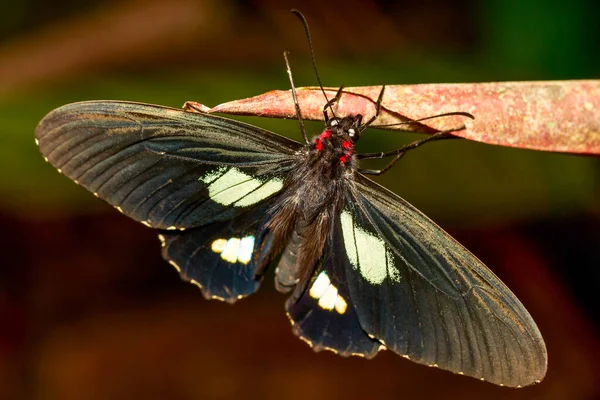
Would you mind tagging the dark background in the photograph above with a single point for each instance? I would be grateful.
(88, 309)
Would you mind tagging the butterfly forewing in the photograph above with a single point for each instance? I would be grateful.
(167, 168)
(426, 297)
(206, 181)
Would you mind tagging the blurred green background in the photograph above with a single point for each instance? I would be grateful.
(88, 309)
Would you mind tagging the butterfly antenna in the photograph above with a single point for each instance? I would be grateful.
(312, 54)
(295, 97)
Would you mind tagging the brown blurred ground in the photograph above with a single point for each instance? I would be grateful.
(98, 315)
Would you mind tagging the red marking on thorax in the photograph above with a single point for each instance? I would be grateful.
(319, 141)
(348, 147)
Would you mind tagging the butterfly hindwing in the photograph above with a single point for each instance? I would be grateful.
(167, 168)
(322, 311)
(428, 298)
(224, 258)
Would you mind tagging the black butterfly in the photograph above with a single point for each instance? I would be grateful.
(365, 270)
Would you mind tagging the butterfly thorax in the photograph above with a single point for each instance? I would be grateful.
(324, 168)
(334, 147)
(315, 194)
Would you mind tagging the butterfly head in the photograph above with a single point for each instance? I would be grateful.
(347, 127)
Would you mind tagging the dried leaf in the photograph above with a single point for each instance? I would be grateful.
(562, 116)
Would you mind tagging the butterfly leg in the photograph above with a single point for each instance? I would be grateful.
(331, 102)
(295, 97)
(389, 165)
(377, 110)
(399, 153)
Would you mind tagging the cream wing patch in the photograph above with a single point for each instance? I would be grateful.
(234, 249)
(327, 295)
(230, 186)
(367, 252)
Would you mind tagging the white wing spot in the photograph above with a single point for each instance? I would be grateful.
(218, 245)
(175, 265)
(340, 305)
(195, 282)
(162, 240)
(234, 186)
(212, 176)
(319, 286)
(327, 301)
(245, 251)
(327, 294)
(305, 340)
(230, 251)
(367, 252)
(272, 186)
(234, 249)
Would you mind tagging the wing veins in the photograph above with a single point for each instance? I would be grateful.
(104, 170)
(126, 197)
(79, 143)
(409, 265)
(164, 185)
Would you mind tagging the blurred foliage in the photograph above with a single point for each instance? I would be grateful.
(534, 40)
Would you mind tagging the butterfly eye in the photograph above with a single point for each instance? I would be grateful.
(351, 132)
(333, 122)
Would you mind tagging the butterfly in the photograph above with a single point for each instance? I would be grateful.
(364, 270)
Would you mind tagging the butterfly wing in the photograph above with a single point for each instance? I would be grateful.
(206, 181)
(224, 259)
(164, 167)
(321, 310)
(426, 297)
